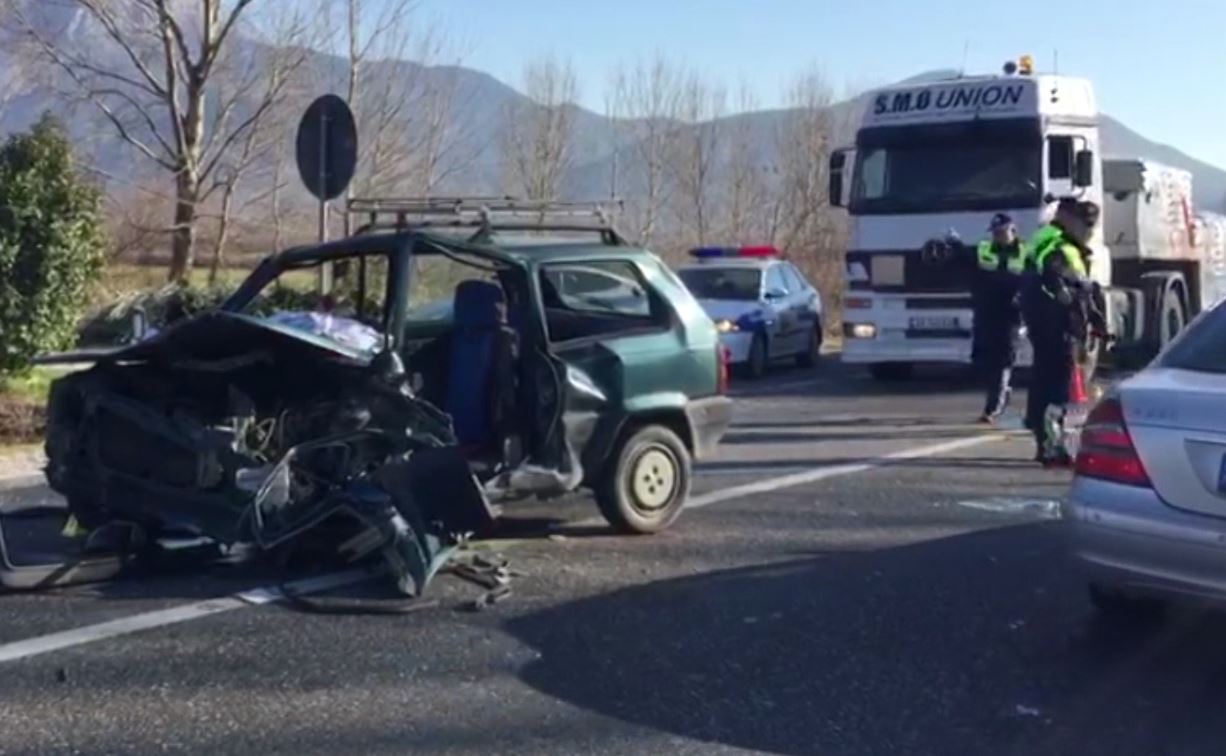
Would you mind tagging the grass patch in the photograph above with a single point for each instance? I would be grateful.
(23, 405)
(31, 387)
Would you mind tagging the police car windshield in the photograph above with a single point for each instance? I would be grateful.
(985, 166)
(736, 284)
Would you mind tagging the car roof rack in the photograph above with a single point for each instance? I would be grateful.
(487, 215)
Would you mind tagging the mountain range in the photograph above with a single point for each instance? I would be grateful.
(479, 123)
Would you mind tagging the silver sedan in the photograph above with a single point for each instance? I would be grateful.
(1147, 509)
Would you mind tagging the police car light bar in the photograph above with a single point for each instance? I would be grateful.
(702, 253)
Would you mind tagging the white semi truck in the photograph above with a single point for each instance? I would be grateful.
(943, 157)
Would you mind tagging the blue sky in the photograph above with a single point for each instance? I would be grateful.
(1157, 65)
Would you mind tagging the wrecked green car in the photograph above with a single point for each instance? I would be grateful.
(469, 354)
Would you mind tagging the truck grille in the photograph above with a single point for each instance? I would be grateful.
(918, 276)
(938, 303)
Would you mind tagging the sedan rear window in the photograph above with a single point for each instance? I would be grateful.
(738, 284)
(1202, 347)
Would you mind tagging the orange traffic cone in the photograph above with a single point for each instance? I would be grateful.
(1077, 393)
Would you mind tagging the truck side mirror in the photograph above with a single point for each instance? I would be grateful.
(838, 160)
(1083, 168)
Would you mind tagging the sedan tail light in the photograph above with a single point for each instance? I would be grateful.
(1106, 451)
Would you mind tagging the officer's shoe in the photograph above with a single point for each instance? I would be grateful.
(986, 419)
(1059, 461)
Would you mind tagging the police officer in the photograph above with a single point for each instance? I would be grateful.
(1052, 300)
(1001, 261)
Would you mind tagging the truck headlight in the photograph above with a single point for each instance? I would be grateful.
(726, 326)
(860, 330)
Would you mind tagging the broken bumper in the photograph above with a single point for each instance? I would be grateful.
(709, 419)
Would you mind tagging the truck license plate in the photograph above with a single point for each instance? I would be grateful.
(934, 323)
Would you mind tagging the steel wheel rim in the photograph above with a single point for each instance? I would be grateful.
(653, 479)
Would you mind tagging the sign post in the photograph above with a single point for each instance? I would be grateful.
(327, 155)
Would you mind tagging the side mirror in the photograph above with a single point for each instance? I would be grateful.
(1083, 168)
(775, 293)
(838, 161)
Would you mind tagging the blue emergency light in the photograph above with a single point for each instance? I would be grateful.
(703, 253)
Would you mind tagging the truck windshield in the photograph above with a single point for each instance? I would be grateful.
(924, 168)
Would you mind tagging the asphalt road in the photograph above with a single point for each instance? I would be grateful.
(864, 572)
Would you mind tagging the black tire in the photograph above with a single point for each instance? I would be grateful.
(759, 358)
(1115, 604)
(813, 351)
(1172, 317)
(891, 371)
(647, 482)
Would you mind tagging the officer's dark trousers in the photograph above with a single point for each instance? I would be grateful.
(1049, 383)
(993, 354)
(997, 379)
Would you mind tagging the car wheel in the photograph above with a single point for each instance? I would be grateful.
(813, 351)
(1112, 602)
(891, 371)
(648, 482)
(759, 358)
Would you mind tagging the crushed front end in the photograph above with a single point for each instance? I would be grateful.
(232, 428)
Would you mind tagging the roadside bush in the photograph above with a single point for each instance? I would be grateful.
(52, 244)
(112, 325)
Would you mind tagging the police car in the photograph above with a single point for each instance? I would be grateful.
(762, 306)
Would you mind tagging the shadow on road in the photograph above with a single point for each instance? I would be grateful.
(981, 643)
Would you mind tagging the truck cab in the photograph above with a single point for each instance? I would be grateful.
(937, 158)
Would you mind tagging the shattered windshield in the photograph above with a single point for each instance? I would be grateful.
(352, 315)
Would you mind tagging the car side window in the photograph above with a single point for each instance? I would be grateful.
(796, 282)
(585, 299)
(775, 279)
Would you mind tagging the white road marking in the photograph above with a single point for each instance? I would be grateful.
(135, 623)
(39, 645)
(1047, 509)
(821, 473)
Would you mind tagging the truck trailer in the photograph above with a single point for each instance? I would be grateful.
(938, 159)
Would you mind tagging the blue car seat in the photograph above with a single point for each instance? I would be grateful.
(481, 382)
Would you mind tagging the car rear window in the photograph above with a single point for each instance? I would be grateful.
(1202, 347)
(743, 284)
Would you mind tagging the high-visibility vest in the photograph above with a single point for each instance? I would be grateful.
(1045, 235)
(1072, 256)
(989, 258)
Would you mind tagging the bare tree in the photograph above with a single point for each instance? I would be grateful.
(403, 103)
(803, 224)
(647, 103)
(151, 70)
(695, 151)
(746, 192)
(537, 147)
(263, 142)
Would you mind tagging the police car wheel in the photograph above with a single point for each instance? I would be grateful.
(647, 483)
(813, 350)
(759, 358)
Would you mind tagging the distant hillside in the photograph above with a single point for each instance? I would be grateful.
(479, 123)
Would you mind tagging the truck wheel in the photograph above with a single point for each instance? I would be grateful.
(647, 483)
(1173, 318)
(813, 350)
(891, 371)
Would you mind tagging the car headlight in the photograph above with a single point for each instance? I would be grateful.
(726, 326)
(860, 330)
